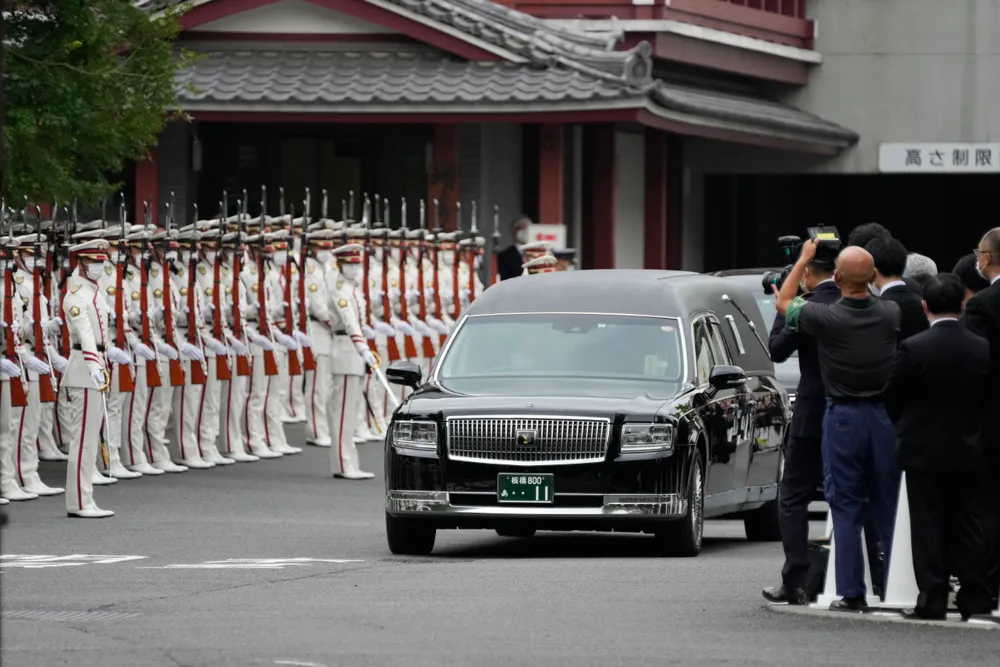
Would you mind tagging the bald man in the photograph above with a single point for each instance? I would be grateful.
(856, 341)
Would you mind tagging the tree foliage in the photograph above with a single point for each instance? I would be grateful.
(88, 86)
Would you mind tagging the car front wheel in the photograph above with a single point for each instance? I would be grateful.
(683, 538)
(407, 537)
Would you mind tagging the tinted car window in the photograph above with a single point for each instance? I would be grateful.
(704, 358)
(547, 345)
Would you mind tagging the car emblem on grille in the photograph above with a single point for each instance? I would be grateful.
(526, 438)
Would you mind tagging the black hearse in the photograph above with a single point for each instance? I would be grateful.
(620, 400)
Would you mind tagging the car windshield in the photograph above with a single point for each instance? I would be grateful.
(541, 350)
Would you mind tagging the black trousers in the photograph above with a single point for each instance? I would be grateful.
(803, 473)
(948, 537)
(991, 523)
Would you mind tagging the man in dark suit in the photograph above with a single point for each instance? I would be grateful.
(510, 258)
(864, 234)
(968, 273)
(982, 317)
(936, 397)
(803, 471)
(890, 262)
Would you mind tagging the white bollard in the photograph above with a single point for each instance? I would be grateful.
(901, 591)
(997, 612)
(829, 594)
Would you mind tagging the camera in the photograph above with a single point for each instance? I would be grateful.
(826, 253)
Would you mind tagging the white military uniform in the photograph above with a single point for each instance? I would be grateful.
(351, 356)
(86, 315)
(295, 407)
(372, 425)
(48, 444)
(319, 382)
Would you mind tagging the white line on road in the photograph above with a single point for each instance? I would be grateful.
(298, 664)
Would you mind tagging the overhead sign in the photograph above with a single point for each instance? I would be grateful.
(554, 235)
(919, 158)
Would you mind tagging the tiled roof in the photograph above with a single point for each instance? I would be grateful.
(324, 78)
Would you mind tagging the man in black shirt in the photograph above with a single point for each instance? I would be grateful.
(943, 371)
(803, 470)
(856, 339)
(890, 262)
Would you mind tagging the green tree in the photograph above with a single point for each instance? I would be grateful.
(87, 87)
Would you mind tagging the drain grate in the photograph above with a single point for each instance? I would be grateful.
(67, 615)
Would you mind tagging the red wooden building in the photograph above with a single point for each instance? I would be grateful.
(548, 107)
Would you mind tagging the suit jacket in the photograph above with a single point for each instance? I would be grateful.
(982, 317)
(509, 263)
(936, 396)
(913, 319)
(810, 396)
(914, 286)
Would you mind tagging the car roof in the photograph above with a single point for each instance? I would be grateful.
(730, 273)
(613, 291)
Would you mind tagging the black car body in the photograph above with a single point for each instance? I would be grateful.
(638, 401)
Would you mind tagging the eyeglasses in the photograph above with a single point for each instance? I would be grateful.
(977, 252)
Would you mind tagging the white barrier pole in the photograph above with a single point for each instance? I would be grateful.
(901, 591)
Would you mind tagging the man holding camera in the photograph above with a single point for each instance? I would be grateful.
(803, 470)
(856, 339)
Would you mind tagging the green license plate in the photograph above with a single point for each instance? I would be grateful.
(537, 488)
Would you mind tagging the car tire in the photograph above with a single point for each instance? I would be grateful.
(764, 523)
(407, 537)
(683, 538)
(516, 532)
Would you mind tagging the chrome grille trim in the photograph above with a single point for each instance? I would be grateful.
(561, 440)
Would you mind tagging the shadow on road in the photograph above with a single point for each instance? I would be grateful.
(574, 545)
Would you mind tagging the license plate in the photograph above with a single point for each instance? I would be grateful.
(537, 488)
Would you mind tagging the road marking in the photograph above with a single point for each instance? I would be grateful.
(32, 562)
(298, 664)
(249, 564)
(79, 616)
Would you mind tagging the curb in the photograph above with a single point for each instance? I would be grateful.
(888, 616)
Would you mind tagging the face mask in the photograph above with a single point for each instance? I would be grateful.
(324, 256)
(29, 263)
(979, 270)
(210, 257)
(95, 271)
(280, 257)
(448, 258)
(172, 256)
(874, 290)
(349, 271)
(522, 236)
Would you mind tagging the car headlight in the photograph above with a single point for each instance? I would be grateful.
(415, 434)
(647, 438)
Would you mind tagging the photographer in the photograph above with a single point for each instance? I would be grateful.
(803, 470)
(856, 339)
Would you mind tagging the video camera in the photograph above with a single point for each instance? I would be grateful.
(826, 252)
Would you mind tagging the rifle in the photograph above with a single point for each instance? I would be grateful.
(263, 324)
(153, 378)
(49, 271)
(222, 370)
(422, 304)
(243, 367)
(126, 383)
(473, 252)
(176, 365)
(199, 373)
(294, 366)
(439, 311)
(308, 360)
(67, 271)
(18, 392)
(495, 250)
(387, 310)
(46, 392)
(368, 255)
(409, 347)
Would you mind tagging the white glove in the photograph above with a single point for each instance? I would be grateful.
(156, 311)
(215, 346)
(464, 294)
(112, 316)
(307, 303)
(186, 310)
(36, 365)
(118, 355)
(369, 358)
(239, 348)
(97, 377)
(243, 310)
(3, 325)
(376, 294)
(429, 293)
(405, 328)
(286, 341)
(368, 331)
(412, 295)
(15, 326)
(384, 329)
(143, 352)
(9, 368)
(191, 353)
(437, 325)
(59, 362)
(251, 311)
(304, 340)
(422, 327)
(261, 342)
(52, 326)
(166, 350)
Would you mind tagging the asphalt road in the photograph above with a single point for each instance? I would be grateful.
(197, 596)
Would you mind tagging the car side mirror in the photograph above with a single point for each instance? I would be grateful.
(405, 373)
(727, 377)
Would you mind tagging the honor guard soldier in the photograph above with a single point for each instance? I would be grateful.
(534, 251)
(566, 259)
(373, 306)
(86, 380)
(351, 359)
(25, 420)
(323, 326)
(48, 445)
(431, 266)
(294, 411)
(543, 264)
(471, 254)
(415, 299)
(211, 289)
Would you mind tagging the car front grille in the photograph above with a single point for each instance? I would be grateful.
(551, 440)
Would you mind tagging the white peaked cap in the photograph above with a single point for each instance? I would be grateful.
(90, 226)
(29, 239)
(320, 235)
(538, 245)
(540, 262)
(95, 249)
(189, 235)
(88, 235)
(278, 235)
(348, 249)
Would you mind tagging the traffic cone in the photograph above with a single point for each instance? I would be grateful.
(829, 593)
(901, 590)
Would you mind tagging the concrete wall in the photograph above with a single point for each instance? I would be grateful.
(630, 205)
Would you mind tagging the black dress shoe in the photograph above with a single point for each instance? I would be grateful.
(917, 615)
(855, 605)
(797, 595)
